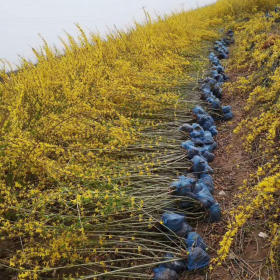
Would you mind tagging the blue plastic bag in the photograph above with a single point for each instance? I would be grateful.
(228, 116)
(207, 180)
(217, 90)
(197, 258)
(205, 197)
(201, 137)
(200, 165)
(164, 273)
(197, 131)
(178, 266)
(176, 223)
(210, 148)
(214, 102)
(186, 128)
(208, 138)
(173, 221)
(198, 110)
(189, 146)
(214, 59)
(194, 240)
(226, 109)
(183, 186)
(213, 130)
(199, 186)
(207, 155)
(215, 213)
(185, 229)
(230, 33)
(206, 121)
(219, 68)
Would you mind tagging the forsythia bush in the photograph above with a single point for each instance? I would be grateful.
(74, 143)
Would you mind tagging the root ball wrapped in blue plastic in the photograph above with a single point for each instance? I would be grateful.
(205, 197)
(197, 259)
(210, 148)
(208, 156)
(226, 109)
(213, 130)
(201, 185)
(205, 151)
(189, 146)
(176, 223)
(194, 240)
(179, 265)
(217, 90)
(228, 116)
(164, 273)
(222, 54)
(219, 68)
(205, 120)
(200, 165)
(215, 213)
(208, 138)
(197, 131)
(214, 59)
(186, 228)
(198, 110)
(207, 180)
(214, 102)
(183, 186)
(186, 128)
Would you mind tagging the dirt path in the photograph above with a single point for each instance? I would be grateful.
(231, 166)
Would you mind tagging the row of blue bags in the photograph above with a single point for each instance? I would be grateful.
(200, 185)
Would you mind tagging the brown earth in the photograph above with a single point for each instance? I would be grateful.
(231, 166)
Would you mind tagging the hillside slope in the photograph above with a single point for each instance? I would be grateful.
(89, 145)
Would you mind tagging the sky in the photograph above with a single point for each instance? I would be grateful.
(21, 21)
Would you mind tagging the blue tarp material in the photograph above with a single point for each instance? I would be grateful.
(176, 223)
(200, 165)
(194, 240)
(215, 214)
(197, 258)
(178, 266)
(163, 273)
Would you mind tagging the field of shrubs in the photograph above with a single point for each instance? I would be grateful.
(90, 145)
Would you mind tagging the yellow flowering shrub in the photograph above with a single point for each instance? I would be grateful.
(86, 152)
